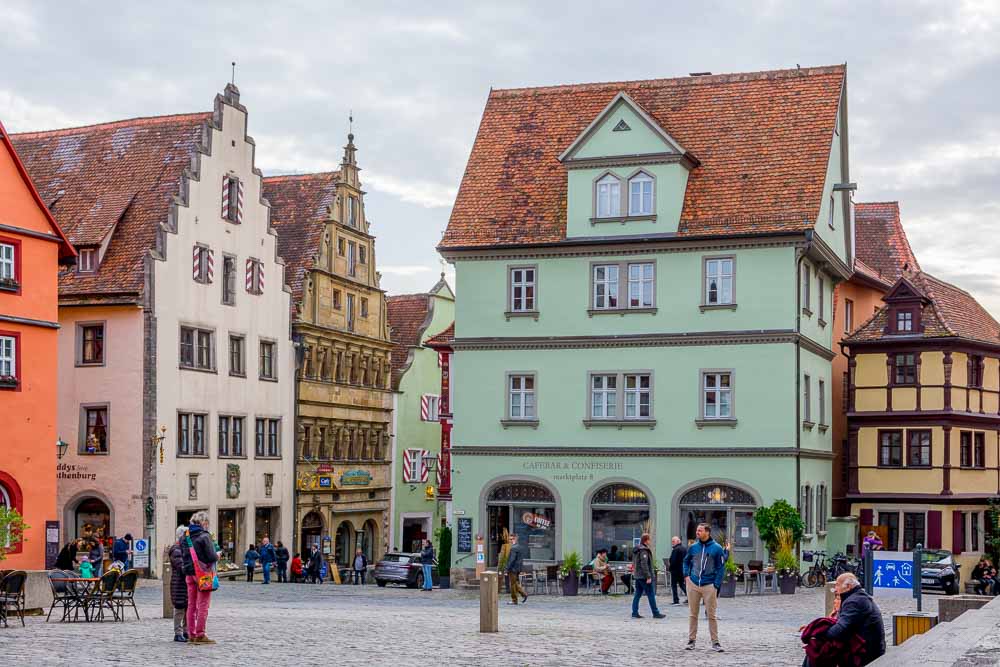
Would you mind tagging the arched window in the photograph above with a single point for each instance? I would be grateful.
(728, 511)
(640, 194)
(609, 197)
(619, 517)
(525, 509)
(5, 503)
(521, 492)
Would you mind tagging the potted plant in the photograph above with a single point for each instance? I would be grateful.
(785, 562)
(444, 556)
(570, 570)
(728, 588)
(779, 515)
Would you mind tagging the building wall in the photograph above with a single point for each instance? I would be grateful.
(179, 300)
(114, 478)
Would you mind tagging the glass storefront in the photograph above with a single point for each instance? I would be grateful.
(527, 510)
(227, 532)
(619, 517)
(264, 524)
(343, 552)
(312, 531)
(729, 513)
(93, 519)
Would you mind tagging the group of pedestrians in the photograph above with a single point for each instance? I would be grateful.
(190, 603)
(267, 555)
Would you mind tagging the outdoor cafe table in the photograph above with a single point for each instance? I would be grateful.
(81, 587)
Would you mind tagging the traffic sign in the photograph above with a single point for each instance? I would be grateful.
(140, 553)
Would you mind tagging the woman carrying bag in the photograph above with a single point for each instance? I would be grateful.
(199, 572)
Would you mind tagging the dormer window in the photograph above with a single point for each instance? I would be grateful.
(640, 194)
(904, 321)
(609, 197)
(87, 262)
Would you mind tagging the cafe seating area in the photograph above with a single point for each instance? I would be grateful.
(95, 599)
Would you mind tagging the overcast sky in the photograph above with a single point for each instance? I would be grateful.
(922, 78)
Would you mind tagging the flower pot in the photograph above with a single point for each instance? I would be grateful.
(444, 582)
(728, 588)
(786, 583)
(571, 583)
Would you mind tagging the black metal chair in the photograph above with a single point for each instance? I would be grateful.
(12, 595)
(63, 593)
(101, 597)
(125, 593)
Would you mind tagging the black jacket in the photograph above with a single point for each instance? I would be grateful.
(204, 548)
(315, 562)
(859, 615)
(515, 561)
(677, 554)
(178, 587)
(642, 563)
(282, 554)
(426, 556)
(66, 558)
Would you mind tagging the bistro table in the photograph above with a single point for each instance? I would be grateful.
(80, 587)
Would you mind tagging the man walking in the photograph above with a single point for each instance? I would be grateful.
(267, 558)
(315, 566)
(281, 553)
(645, 577)
(704, 568)
(515, 563)
(677, 553)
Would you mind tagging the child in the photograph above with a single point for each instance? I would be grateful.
(178, 586)
(250, 560)
(86, 568)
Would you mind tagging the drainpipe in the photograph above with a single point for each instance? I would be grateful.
(299, 350)
(798, 371)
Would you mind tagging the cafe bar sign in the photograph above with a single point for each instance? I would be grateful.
(356, 478)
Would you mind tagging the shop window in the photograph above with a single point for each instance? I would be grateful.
(619, 516)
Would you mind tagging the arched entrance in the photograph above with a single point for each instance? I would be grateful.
(366, 539)
(342, 543)
(728, 510)
(312, 531)
(620, 514)
(92, 518)
(526, 509)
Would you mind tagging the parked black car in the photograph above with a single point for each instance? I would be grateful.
(940, 571)
(402, 568)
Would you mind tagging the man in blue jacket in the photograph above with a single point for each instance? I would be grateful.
(267, 557)
(704, 569)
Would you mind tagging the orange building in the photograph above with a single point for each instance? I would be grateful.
(882, 253)
(31, 248)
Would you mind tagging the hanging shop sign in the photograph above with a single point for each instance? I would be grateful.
(536, 521)
(356, 478)
(325, 482)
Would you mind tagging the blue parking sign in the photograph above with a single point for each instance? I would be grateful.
(892, 569)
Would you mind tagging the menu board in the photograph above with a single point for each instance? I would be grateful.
(464, 535)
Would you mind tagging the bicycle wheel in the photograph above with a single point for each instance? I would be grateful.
(812, 579)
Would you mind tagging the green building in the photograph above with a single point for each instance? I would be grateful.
(649, 341)
(416, 377)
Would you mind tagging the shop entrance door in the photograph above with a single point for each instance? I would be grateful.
(499, 519)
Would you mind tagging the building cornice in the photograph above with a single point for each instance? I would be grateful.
(821, 253)
(917, 343)
(907, 418)
(636, 160)
(27, 321)
(641, 452)
(347, 337)
(935, 498)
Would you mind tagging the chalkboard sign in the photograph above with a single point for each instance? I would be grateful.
(464, 535)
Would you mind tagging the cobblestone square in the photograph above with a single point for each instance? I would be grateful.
(297, 624)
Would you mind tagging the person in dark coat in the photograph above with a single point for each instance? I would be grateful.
(267, 558)
(677, 553)
(281, 555)
(178, 587)
(427, 562)
(198, 601)
(66, 560)
(96, 556)
(857, 615)
(250, 559)
(315, 566)
(645, 577)
(122, 549)
(515, 563)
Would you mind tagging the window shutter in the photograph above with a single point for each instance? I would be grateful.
(225, 197)
(195, 263)
(210, 258)
(957, 532)
(867, 518)
(406, 466)
(933, 530)
(249, 281)
(423, 466)
(260, 277)
(425, 407)
(239, 202)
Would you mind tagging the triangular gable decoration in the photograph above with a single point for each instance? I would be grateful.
(622, 126)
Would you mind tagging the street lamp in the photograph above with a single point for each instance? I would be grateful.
(61, 447)
(430, 461)
(157, 441)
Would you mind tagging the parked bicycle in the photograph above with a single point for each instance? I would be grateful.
(816, 574)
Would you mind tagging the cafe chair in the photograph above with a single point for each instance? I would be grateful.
(12, 595)
(101, 597)
(63, 593)
(754, 573)
(124, 593)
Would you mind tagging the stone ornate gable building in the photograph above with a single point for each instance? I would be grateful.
(924, 417)
(416, 376)
(882, 255)
(650, 342)
(340, 323)
(175, 349)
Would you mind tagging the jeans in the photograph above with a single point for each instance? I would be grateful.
(197, 611)
(677, 581)
(267, 572)
(428, 576)
(709, 594)
(180, 621)
(250, 572)
(359, 576)
(649, 590)
(282, 571)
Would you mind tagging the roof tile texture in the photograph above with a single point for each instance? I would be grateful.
(407, 319)
(881, 242)
(763, 140)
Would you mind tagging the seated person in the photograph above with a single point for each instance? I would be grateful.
(602, 569)
(986, 577)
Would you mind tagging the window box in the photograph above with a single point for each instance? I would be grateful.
(621, 311)
(506, 423)
(623, 219)
(702, 423)
(8, 381)
(9, 285)
(717, 306)
(533, 314)
(620, 423)
(808, 425)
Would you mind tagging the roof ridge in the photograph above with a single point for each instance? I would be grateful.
(877, 203)
(145, 120)
(928, 290)
(408, 295)
(730, 77)
(286, 177)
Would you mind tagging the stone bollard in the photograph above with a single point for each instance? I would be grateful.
(168, 607)
(489, 602)
(831, 595)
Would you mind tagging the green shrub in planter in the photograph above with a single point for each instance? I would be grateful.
(444, 556)
(570, 569)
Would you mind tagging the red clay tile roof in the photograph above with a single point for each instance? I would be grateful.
(125, 173)
(299, 205)
(763, 141)
(66, 249)
(409, 315)
(443, 338)
(881, 242)
(949, 312)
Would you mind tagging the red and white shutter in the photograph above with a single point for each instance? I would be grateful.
(225, 197)
(210, 270)
(196, 263)
(425, 407)
(423, 466)
(239, 202)
(249, 281)
(406, 466)
(260, 277)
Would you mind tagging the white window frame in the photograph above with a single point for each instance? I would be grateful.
(822, 401)
(848, 315)
(229, 280)
(806, 398)
(634, 395)
(718, 391)
(821, 295)
(608, 393)
(519, 283)
(87, 260)
(607, 282)
(8, 261)
(8, 356)
(433, 408)
(8, 502)
(715, 269)
(416, 456)
(644, 181)
(607, 197)
(805, 288)
(641, 282)
(525, 398)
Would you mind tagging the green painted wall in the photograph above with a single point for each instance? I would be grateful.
(764, 293)
(670, 181)
(422, 377)
(834, 174)
(638, 140)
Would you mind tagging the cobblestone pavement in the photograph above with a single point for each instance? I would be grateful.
(296, 624)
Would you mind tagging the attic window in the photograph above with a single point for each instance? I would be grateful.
(87, 260)
(609, 194)
(640, 194)
(904, 321)
(622, 126)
